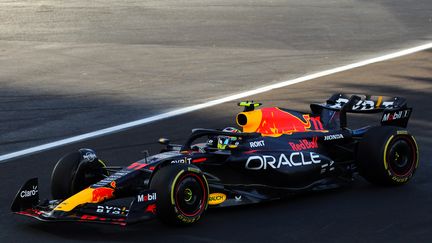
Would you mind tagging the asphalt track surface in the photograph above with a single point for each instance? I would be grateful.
(363, 213)
(70, 67)
(75, 67)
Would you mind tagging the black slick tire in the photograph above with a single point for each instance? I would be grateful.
(387, 155)
(74, 172)
(182, 194)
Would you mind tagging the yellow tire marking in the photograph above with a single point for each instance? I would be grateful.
(385, 152)
(388, 142)
(417, 152)
(208, 191)
(173, 185)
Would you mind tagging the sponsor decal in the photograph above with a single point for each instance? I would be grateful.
(111, 210)
(398, 179)
(317, 124)
(362, 104)
(387, 104)
(102, 193)
(199, 160)
(31, 212)
(29, 193)
(216, 198)
(339, 103)
(238, 198)
(187, 219)
(294, 159)
(89, 156)
(327, 167)
(273, 121)
(333, 137)
(151, 208)
(87, 217)
(137, 166)
(113, 184)
(88, 195)
(147, 197)
(257, 144)
(304, 144)
(186, 160)
(395, 115)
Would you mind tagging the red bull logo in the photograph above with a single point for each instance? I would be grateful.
(273, 122)
(276, 121)
(304, 144)
(88, 195)
(102, 193)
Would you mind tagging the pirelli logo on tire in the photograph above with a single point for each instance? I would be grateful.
(216, 198)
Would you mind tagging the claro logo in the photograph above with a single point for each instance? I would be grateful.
(293, 159)
(216, 198)
(30, 193)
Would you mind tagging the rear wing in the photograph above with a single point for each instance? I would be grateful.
(365, 103)
(395, 110)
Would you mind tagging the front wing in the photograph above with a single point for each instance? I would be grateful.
(27, 203)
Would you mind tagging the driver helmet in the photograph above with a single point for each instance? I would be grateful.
(224, 141)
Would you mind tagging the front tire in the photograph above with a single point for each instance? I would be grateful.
(182, 192)
(387, 156)
(76, 171)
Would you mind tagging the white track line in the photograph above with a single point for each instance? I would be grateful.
(211, 103)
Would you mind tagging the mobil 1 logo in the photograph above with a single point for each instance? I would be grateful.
(146, 197)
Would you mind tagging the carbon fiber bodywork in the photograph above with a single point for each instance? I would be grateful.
(279, 153)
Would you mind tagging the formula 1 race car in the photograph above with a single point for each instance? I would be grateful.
(279, 152)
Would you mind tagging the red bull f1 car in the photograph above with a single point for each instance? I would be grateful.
(278, 152)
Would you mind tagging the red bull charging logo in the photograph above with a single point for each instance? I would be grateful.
(151, 208)
(276, 121)
(102, 193)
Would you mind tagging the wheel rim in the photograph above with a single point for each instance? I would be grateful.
(190, 195)
(401, 156)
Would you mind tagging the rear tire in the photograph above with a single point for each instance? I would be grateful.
(387, 156)
(182, 194)
(76, 171)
